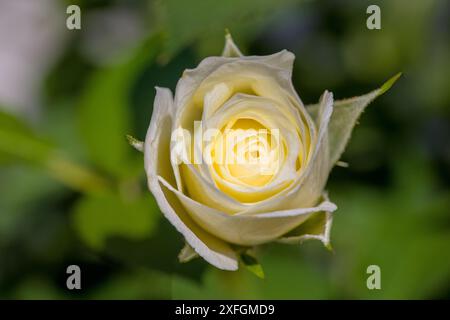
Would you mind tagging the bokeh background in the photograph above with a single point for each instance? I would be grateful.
(72, 191)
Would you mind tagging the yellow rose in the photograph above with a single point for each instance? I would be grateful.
(235, 159)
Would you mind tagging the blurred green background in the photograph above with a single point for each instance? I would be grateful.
(72, 191)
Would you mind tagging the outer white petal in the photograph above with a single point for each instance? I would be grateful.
(247, 229)
(156, 157)
(192, 78)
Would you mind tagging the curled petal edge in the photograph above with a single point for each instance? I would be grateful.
(213, 250)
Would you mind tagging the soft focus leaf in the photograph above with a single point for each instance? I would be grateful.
(138, 285)
(173, 16)
(21, 186)
(398, 230)
(104, 110)
(289, 274)
(35, 288)
(17, 140)
(99, 217)
(19, 143)
(432, 248)
(11, 123)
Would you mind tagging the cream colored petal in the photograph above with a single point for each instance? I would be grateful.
(305, 193)
(265, 75)
(266, 81)
(230, 49)
(214, 99)
(189, 98)
(346, 113)
(268, 114)
(308, 190)
(207, 193)
(283, 60)
(163, 110)
(246, 230)
(187, 110)
(157, 162)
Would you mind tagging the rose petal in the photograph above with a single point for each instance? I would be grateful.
(308, 190)
(156, 158)
(192, 78)
(246, 229)
(268, 81)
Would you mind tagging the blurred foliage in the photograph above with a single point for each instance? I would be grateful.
(98, 217)
(73, 191)
(105, 102)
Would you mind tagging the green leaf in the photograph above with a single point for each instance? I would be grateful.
(413, 278)
(13, 124)
(37, 288)
(99, 217)
(104, 110)
(252, 264)
(400, 228)
(18, 142)
(134, 284)
(290, 275)
(173, 16)
(21, 186)
(345, 115)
